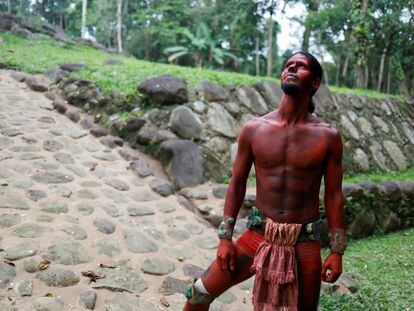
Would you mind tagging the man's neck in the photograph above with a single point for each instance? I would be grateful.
(293, 109)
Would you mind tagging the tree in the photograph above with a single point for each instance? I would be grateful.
(312, 7)
(269, 67)
(201, 46)
(119, 25)
(83, 27)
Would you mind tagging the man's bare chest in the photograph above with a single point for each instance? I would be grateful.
(302, 148)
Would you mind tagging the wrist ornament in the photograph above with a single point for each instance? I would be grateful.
(225, 229)
(337, 241)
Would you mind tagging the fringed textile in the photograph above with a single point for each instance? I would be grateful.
(276, 285)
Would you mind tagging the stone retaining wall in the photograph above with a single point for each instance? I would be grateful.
(369, 208)
(378, 135)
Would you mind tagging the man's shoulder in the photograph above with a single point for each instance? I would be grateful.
(323, 126)
(254, 123)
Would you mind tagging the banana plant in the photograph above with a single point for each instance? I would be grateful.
(201, 46)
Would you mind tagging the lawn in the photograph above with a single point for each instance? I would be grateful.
(384, 269)
(381, 176)
(375, 177)
(38, 55)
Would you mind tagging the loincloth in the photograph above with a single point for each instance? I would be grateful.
(275, 262)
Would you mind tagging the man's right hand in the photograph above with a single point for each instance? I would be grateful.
(226, 253)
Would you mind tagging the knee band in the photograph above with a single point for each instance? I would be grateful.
(199, 286)
(196, 293)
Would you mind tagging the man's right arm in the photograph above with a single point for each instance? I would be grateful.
(235, 195)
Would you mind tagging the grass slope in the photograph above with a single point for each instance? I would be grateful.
(375, 177)
(384, 269)
(379, 177)
(38, 55)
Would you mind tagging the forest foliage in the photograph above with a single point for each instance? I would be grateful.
(370, 42)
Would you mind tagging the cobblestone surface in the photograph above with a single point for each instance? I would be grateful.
(60, 189)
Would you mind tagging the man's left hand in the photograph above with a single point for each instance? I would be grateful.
(332, 268)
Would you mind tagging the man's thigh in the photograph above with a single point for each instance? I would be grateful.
(309, 272)
(217, 281)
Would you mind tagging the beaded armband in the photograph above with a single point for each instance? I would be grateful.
(337, 241)
(225, 229)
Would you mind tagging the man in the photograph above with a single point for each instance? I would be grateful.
(291, 150)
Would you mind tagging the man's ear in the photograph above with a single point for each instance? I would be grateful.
(316, 83)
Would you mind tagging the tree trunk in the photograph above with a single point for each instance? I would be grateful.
(119, 25)
(313, 7)
(338, 71)
(360, 75)
(8, 7)
(389, 76)
(402, 88)
(400, 75)
(269, 68)
(366, 76)
(381, 69)
(198, 59)
(257, 57)
(306, 37)
(345, 70)
(374, 77)
(362, 43)
(83, 28)
(148, 38)
(126, 7)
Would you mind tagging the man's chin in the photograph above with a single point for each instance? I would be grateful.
(291, 89)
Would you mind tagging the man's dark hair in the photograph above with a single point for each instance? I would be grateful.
(316, 70)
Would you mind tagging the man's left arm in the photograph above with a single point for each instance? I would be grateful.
(332, 267)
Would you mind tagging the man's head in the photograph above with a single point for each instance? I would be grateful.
(301, 73)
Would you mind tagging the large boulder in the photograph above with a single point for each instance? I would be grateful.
(183, 162)
(185, 123)
(407, 187)
(353, 190)
(363, 225)
(6, 22)
(165, 89)
(211, 91)
(251, 99)
(220, 121)
(324, 100)
(271, 92)
(35, 84)
(71, 67)
(150, 134)
(391, 223)
(80, 92)
(390, 190)
(22, 32)
(55, 74)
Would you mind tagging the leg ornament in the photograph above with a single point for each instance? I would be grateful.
(195, 296)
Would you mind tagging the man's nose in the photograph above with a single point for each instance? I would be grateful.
(292, 67)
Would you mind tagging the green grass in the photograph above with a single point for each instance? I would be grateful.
(38, 55)
(379, 177)
(375, 177)
(384, 270)
(366, 92)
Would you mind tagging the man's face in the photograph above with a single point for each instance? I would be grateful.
(296, 76)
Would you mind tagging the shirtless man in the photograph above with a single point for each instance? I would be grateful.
(291, 150)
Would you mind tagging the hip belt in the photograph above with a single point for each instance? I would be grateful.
(310, 231)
